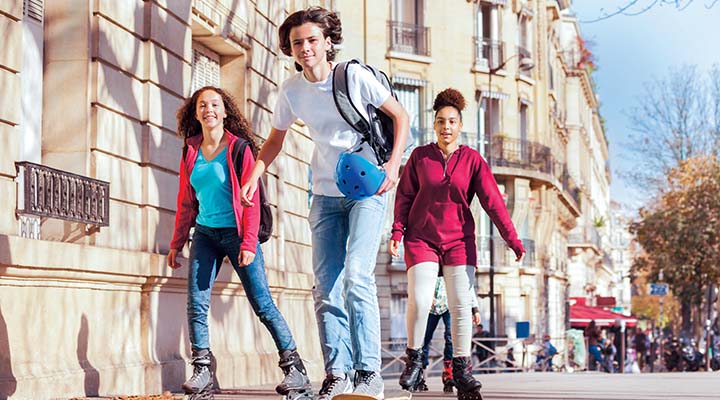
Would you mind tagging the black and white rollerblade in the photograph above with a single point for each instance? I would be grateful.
(412, 378)
(200, 384)
(296, 385)
(468, 388)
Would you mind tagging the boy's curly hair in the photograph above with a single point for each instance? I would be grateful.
(235, 122)
(327, 20)
(449, 97)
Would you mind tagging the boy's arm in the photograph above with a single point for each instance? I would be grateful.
(269, 151)
(401, 124)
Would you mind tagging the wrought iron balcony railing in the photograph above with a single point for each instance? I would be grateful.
(531, 156)
(409, 38)
(52, 193)
(519, 153)
(569, 186)
(585, 236)
(488, 53)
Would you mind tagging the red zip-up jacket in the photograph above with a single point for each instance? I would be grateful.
(433, 198)
(247, 219)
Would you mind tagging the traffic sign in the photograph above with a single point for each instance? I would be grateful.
(659, 289)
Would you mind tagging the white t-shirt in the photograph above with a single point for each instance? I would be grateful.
(313, 102)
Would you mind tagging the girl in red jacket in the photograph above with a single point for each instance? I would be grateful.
(209, 198)
(432, 212)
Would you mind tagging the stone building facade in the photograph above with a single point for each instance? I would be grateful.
(90, 89)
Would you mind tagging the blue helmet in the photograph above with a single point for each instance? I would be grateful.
(356, 177)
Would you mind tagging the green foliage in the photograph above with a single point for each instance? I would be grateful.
(599, 222)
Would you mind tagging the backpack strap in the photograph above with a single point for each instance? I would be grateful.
(343, 102)
(238, 156)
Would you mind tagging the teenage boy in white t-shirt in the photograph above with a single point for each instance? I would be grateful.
(345, 232)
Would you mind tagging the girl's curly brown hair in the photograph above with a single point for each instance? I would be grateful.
(449, 98)
(327, 20)
(235, 123)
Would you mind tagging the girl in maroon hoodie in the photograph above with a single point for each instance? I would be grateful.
(432, 212)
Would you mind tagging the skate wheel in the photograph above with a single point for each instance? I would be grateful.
(300, 395)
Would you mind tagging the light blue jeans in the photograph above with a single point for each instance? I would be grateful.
(345, 242)
(207, 251)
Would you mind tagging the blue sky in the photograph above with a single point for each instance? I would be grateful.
(631, 50)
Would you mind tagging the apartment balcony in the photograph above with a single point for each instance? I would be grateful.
(488, 53)
(572, 59)
(521, 154)
(504, 257)
(570, 187)
(586, 236)
(535, 161)
(409, 38)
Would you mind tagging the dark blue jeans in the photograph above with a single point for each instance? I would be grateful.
(432, 324)
(209, 248)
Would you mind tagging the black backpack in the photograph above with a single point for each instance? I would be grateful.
(266, 220)
(379, 131)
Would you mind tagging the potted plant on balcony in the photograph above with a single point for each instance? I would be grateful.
(587, 59)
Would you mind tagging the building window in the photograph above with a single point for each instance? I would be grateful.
(525, 40)
(490, 111)
(31, 80)
(523, 122)
(410, 96)
(205, 68)
(488, 46)
(407, 33)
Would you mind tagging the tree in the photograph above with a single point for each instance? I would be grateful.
(680, 232)
(636, 7)
(676, 118)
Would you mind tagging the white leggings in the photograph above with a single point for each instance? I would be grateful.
(459, 281)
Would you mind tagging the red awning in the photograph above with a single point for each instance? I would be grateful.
(581, 315)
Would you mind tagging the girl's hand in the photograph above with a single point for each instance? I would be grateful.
(171, 259)
(245, 258)
(393, 248)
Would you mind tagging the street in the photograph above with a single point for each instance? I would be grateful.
(556, 386)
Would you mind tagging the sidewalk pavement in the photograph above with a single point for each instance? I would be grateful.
(542, 386)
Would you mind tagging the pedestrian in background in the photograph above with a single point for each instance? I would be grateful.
(640, 343)
(432, 213)
(592, 334)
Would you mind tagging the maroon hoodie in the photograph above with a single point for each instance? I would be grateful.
(433, 198)
(247, 219)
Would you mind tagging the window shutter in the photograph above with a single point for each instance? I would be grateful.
(205, 68)
(33, 9)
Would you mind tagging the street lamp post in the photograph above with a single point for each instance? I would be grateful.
(525, 64)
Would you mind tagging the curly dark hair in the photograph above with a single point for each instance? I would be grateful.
(235, 122)
(449, 98)
(327, 20)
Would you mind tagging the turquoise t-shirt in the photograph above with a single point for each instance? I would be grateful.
(212, 183)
